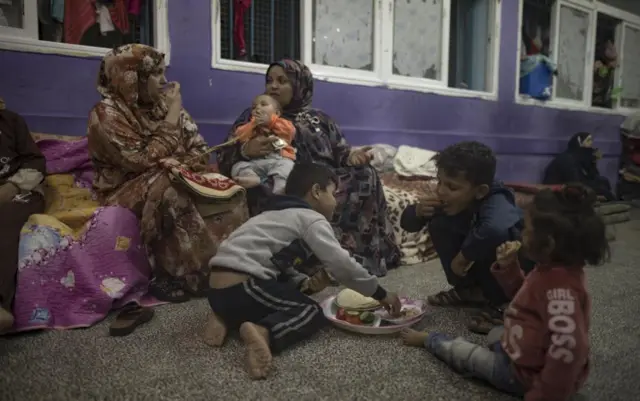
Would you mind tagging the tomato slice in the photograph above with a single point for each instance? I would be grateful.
(354, 319)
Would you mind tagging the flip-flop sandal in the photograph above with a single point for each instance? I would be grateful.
(486, 320)
(168, 290)
(479, 325)
(454, 298)
(129, 318)
(202, 289)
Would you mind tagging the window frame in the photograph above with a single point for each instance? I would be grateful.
(594, 7)
(29, 22)
(382, 74)
(25, 42)
(618, 78)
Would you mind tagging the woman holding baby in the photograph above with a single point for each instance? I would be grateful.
(360, 220)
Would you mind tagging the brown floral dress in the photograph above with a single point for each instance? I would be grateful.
(126, 143)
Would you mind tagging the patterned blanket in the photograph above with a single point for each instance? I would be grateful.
(78, 260)
(401, 192)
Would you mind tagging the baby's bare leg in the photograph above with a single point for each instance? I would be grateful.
(256, 341)
(215, 331)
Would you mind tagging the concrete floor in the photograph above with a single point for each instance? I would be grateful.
(165, 360)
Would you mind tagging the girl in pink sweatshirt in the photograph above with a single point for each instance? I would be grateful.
(542, 353)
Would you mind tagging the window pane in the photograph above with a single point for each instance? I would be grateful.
(470, 44)
(343, 33)
(417, 38)
(605, 61)
(536, 27)
(260, 31)
(11, 13)
(95, 24)
(631, 69)
(574, 28)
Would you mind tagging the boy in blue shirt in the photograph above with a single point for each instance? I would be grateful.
(472, 215)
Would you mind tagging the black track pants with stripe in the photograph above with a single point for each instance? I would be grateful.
(289, 315)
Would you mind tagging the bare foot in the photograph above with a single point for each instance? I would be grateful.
(413, 338)
(6, 320)
(215, 331)
(248, 181)
(256, 340)
(318, 281)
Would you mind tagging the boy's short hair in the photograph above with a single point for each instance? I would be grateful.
(473, 159)
(304, 176)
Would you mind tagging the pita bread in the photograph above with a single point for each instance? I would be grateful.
(352, 300)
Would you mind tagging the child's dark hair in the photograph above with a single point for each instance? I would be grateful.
(304, 176)
(473, 159)
(567, 217)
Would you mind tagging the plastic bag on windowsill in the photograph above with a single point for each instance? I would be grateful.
(536, 76)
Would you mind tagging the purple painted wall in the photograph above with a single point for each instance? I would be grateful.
(55, 94)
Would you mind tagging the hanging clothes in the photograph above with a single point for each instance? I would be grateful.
(240, 8)
(134, 7)
(104, 20)
(44, 12)
(80, 15)
(48, 14)
(606, 61)
(57, 10)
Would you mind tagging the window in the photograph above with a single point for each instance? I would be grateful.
(594, 44)
(80, 27)
(446, 46)
(259, 31)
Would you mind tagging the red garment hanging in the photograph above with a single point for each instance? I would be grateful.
(134, 7)
(240, 8)
(80, 15)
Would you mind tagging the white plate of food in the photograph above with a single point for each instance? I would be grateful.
(364, 321)
(411, 310)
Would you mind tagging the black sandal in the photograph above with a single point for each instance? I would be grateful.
(487, 318)
(456, 298)
(129, 318)
(169, 290)
(202, 287)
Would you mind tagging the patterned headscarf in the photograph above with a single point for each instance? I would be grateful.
(301, 82)
(124, 71)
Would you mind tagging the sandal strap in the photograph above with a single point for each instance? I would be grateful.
(165, 285)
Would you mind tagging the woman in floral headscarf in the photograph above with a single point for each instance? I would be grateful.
(135, 132)
(360, 220)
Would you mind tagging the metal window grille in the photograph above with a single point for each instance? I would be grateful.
(271, 30)
(142, 27)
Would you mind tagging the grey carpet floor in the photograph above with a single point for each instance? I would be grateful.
(165, 360)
